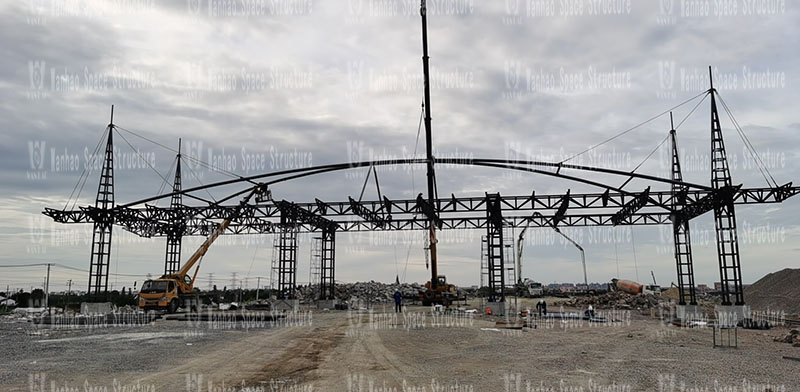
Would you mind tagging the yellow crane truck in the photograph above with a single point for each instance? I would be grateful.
(171, 291)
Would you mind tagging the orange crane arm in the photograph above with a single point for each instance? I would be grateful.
(180, 276)
(201, 251)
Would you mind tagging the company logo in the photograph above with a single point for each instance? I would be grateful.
(512, 7)
(36, 156)
(355, 151)
(36, 152)
(36, 70)
(194, 382)
(37, 9)
(666, 14)
(666, 79)
(194, 6)
(665, 6)
(512, 70)
(37, 382)
(194, 153)
(666, 73)
(37, 225)
(355, 6)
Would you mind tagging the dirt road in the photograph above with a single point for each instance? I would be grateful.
(417, 351)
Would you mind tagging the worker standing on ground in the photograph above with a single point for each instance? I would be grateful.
(398, 302)
(539, 308)
(544, 307)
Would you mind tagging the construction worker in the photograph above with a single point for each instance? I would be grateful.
(544, 307)
(398, 300)
(539, 308)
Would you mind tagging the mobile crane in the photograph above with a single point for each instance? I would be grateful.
(171, 291)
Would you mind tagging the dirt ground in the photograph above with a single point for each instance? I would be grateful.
(378, 350)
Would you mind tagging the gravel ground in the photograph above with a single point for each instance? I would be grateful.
(382, 351)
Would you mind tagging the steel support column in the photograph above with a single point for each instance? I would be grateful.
(730, 270)
(327, 264)
(680, 230)
(287, 260)
(172, 262)
(101, 234)
(494, 248)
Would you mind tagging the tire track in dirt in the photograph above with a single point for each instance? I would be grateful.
(298, 362)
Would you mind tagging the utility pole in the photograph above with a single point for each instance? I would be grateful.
(428, 141)
(69, 292)
(258, 287)
(47, 290)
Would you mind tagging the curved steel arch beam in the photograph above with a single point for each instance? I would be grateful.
(321, 168)
(486, 162)
(578, 167)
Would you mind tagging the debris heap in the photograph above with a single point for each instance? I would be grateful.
(369, 292)
(615, 299)
(793, 338)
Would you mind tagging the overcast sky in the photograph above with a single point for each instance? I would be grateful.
(257, 86)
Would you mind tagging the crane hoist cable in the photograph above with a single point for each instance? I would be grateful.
(635, 263)
(633, 127)
(616, 251)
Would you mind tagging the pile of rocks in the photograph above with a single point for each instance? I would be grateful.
(615, 299)
(792, 338)
(367, 292)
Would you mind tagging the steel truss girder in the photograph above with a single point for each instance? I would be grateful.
(291, 213)
(156, 216)
(631, 207)
(368, 215)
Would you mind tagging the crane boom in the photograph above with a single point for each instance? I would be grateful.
(181, 275)
(201, 251)
(583, 254)
(520, 245)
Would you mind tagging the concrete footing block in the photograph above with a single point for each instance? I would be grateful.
(95, 307)
(690, 312)
(286, 305)
(729, 316)
(498, 308)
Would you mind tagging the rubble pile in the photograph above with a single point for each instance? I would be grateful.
(793, 338)
(370, 292)
(615, 299)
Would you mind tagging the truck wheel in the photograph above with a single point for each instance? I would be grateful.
(173, 306)
(428, 298)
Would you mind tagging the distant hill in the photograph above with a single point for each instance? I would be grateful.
(776, 291)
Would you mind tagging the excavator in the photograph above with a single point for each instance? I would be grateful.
(176, 290)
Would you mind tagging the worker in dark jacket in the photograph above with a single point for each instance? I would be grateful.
(398, 302)
(544, 307)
